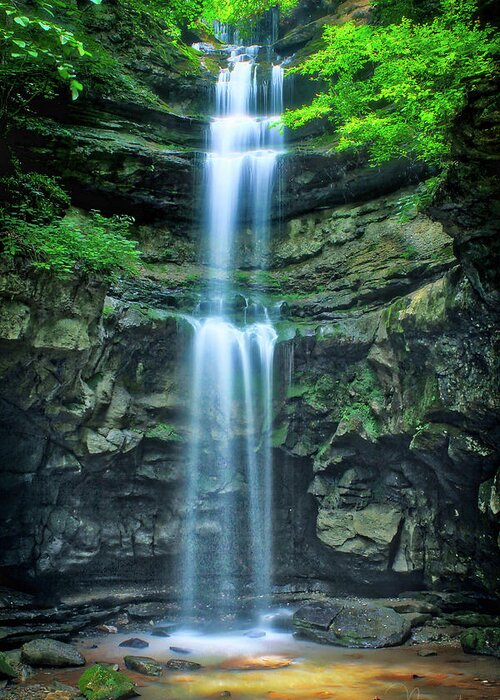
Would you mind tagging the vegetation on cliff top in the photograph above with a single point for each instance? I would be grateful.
(394, 88)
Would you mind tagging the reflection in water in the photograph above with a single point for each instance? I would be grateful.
(315, 671)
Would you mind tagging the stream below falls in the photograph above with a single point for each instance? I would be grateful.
(312, 670)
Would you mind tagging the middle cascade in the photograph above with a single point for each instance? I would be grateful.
(228, 539)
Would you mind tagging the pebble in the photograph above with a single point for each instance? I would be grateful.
(179, 650)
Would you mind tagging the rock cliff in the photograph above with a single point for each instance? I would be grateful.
(386, 433)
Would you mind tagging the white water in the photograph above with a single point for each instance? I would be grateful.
(228, 547)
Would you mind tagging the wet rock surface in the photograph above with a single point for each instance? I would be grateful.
(50, 652)
(134, 643)
(385, 438)
(143, 664)
(351, 623)
(182, 665)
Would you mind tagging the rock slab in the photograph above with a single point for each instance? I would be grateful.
(351, 623)
(50, 652)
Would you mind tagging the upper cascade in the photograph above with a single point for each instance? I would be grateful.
(241, 162)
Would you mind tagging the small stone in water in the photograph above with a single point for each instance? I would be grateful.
(143, 664)
(134, 643)
(255, 634)
(159, 632)
(182, 665)
(179, 650)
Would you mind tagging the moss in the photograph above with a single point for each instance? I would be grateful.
(279, 435)
(295, 391)
(100, 682)
(484, 641)
(359, 415)
(107, 311)
(421, 395)
(7, 668)
(164, 432)
(366, 384)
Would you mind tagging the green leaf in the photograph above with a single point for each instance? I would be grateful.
(19, 42)
(23, 21)
(63, 72)
(75, 88)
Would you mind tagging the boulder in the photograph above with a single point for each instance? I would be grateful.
(11, 661)
(351, 623)
(143, 664)
(50, 652)
(481, 640)
(100, 682)
(7, 666)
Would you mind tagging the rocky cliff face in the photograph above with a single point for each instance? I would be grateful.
(385, 434)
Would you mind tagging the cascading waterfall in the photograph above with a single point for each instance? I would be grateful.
(228, 535)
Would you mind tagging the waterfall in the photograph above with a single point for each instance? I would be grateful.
(228, 541)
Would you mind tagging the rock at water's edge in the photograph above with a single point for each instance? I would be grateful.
(351, 623)
(50, 652)
(484, 640)
(101, 682)
(143, 664)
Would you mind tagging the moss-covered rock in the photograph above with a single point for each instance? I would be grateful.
(100, 682)
(351, 623)
(8, 668)
(481, 640)
(144, 665)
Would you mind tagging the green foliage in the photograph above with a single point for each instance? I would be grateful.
(29, 196)
(365, 394)
(234, 11)
(35, 53)
(359, 415)
(393, 11)
(396, 90)
(97, 246)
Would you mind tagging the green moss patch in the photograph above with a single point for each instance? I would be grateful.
(100, 682)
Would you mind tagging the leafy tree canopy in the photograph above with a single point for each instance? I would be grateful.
(234, 11)
(395, 90)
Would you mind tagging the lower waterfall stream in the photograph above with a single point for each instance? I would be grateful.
(228, 541)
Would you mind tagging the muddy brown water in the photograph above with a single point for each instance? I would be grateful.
(313, 670)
